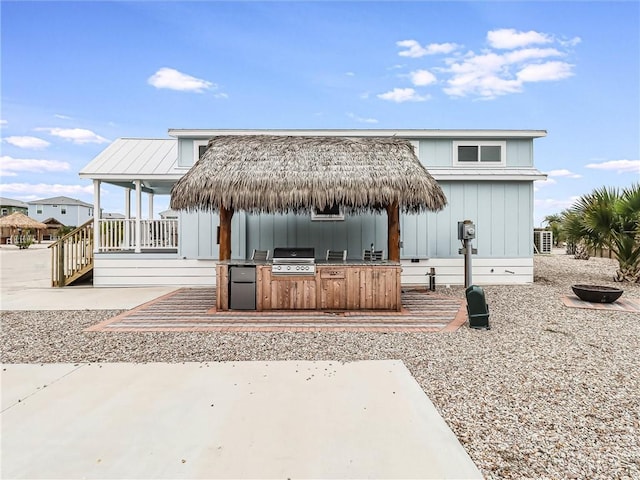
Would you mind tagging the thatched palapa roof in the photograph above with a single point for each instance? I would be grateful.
(268, 173)
(20, 220)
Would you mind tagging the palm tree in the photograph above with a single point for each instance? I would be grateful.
(609, 217)
(554, 222)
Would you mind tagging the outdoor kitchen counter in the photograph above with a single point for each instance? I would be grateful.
(336, 285)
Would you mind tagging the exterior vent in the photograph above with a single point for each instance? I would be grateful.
(542, 241)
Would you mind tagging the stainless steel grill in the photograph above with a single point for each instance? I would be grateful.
(293, 261)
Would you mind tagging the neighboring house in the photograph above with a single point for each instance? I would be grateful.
(113, 215)
(7, 207)
(486, 175)
(53, 229)
(68, 211)
(169, 214)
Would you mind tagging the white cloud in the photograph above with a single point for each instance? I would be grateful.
(43, 189)
(75, 135)
(509, 38)
(544, 72)
(174, 80)
(63, 117)
(554, 204)
(10, 165)
(415, 50)
(350, 74)
(538, 184)
(361, 119)
(221, 95)
(421, 78)
(400, 95)
(3, 123)
(620, 166)
(563, 172)
(34, 143)
(524, 54)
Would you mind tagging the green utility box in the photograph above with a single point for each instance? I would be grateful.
(477, 307)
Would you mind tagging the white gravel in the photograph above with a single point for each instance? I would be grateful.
(548, 392)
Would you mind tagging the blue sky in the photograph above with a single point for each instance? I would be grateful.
(77, 75)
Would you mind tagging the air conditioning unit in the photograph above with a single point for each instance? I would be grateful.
(542, 241)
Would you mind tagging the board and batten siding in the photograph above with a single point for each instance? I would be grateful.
(502, 212)
(438, 152)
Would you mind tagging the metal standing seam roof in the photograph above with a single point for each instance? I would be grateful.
(135, 158)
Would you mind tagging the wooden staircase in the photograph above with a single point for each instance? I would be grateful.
(72, 256)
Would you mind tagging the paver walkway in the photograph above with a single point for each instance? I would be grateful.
(193, 309)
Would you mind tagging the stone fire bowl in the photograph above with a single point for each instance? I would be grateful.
(597, 293)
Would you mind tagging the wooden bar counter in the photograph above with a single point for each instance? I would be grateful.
(349, 285)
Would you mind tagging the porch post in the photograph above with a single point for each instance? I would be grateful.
(127, 218)
(225, 233)
(393, 231)
(127, 203)
(151, 206)
(138, 247)
(96, 216)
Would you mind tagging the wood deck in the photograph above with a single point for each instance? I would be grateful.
(193, 309)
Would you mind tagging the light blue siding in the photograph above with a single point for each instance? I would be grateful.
(185, 152)
(266, 232)
(198, 235)
(520, 153)
(500, 210)
(438, 152)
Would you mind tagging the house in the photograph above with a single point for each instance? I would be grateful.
(9, 205)
(486, 175)
(67, 211)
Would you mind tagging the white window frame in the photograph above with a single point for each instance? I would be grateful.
(482, 143)
(321, 217)
(196, 149)
(39, 210)
(63, 210)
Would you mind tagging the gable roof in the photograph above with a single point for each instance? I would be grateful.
(274, 173)
(60, 201)
(10, 202)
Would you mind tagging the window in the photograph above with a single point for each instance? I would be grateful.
(39, 209)
(4, 212)
(63, 210)
(91, 212)
(479, 153)
(199, 147)
(331, 213)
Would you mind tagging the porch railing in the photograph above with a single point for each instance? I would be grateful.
(72, 255)
(121, 235)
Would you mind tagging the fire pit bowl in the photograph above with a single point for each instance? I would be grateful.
(597, 293)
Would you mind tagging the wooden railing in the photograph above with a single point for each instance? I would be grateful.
(120, 234)
(72, 255)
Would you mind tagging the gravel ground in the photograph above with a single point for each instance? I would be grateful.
(548, 392)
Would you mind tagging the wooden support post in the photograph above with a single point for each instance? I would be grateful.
(225, 233)
(60, 260)
(393, 231)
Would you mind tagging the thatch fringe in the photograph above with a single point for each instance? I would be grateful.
(271, 174)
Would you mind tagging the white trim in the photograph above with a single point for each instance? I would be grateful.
(487, 174)
(408, 133)
(479, 143)
(319, 217)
